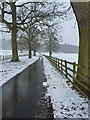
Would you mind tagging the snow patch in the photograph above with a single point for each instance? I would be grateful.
(10, 69)
(67, 103)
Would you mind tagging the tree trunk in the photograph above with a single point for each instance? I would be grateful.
(29, 46)
(14, 47)
(30, 50)
(14, 33)
(89, 43)
(50, 47)
(30, 53)
(34, 52)
(83, 18)
(50, 53)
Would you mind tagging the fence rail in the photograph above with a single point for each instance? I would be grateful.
(69, 69)
(4, 57)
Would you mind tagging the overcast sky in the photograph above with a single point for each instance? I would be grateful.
(70, 33)
(69, 30)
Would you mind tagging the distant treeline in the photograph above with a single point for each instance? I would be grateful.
(65, 48)
(68, 48)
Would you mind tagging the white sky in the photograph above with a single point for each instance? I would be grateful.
(70, 33)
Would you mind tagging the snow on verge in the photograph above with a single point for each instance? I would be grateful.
(67, 103)
(10, 69)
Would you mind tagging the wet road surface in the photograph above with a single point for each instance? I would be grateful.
(22, 93)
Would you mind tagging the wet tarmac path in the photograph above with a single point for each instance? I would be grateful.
(22, 93)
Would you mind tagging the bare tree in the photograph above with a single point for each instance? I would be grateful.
(22, 43)
(51, 40)
(12, 26)
(31, 13)
(10, 9)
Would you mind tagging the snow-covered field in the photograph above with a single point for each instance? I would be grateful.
(65, 56)
(8, 53)
(10, 69)
(5, 52)
(67, 103)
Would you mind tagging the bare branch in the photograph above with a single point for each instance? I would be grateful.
(7, 12)
(26, 4)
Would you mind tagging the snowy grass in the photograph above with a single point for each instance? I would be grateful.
(10, 69)
(67, 56)
(67, 103)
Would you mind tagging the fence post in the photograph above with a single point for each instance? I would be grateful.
(50, 59)
(3, 57)
(56, 62)
(66, 67)
(58, 66)
(74, 69)
(61, 65)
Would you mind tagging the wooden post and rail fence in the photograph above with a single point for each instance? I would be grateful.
(4, 57)
(69, 69)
